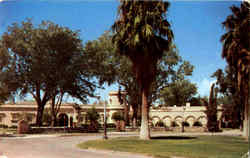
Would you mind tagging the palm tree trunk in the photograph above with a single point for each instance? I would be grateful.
(246, 114)
(144, 132)
(246, 121)
(134, 117)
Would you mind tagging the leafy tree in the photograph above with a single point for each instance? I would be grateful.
(232, 113)
(6, 92)
(231, 99)
(179, 90)
(196, 101)
(45, 61)
(178, 93)
(142, 33)
(119, 118)
(236, 51)
(120, 68)
(114, 68)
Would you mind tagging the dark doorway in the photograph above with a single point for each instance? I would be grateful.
(63, 120)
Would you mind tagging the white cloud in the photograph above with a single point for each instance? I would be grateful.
(6, 1)
(204, 86)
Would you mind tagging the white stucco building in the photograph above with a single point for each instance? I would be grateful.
(11, 113)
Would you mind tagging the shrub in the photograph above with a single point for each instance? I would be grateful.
(118, 116)
(3, 126)
(32, 125)
(92, 115)
(13, 126)
(197, 124)
(85, 126)
(111, 125)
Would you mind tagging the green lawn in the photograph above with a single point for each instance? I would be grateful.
(188, 147)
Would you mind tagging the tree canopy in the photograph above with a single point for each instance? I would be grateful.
(178, 93)
(179, 90)
(44, 61)
(230, 97)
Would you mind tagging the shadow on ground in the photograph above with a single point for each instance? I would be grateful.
(11, 135)
(172, 137)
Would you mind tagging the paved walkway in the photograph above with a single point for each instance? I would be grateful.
(55, 146)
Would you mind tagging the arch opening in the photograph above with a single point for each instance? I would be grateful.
(63, 120)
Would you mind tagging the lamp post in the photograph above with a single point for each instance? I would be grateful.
(184, 108)
(64, 119)
(104, 126)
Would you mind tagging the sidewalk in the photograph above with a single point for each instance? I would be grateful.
(2, 156)
(24, 136)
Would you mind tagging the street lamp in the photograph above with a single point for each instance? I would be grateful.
(184, 108)
(104, 126)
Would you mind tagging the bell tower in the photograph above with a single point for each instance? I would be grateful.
(114, 99)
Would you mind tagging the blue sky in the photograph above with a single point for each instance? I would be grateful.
(196, 26)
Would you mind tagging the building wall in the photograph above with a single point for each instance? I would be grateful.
(11, 113)
(188, 113)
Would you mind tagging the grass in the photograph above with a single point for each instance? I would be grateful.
(164, 147)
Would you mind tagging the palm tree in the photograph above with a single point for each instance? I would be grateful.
(142, 33)
(236, 51)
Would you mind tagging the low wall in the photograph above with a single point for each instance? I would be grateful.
(179, 129)
(34, 130)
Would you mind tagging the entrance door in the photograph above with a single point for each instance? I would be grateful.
(63, 120)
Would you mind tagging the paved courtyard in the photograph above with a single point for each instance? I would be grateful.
(55, 146)
(52, 146)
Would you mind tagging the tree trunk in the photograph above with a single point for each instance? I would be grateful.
(118, 126)
(246, 112)
(39, 115)
(134, 117)
(54, 120)
(126, 114)
(246, 121)
(144, 132)
(53, 112)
